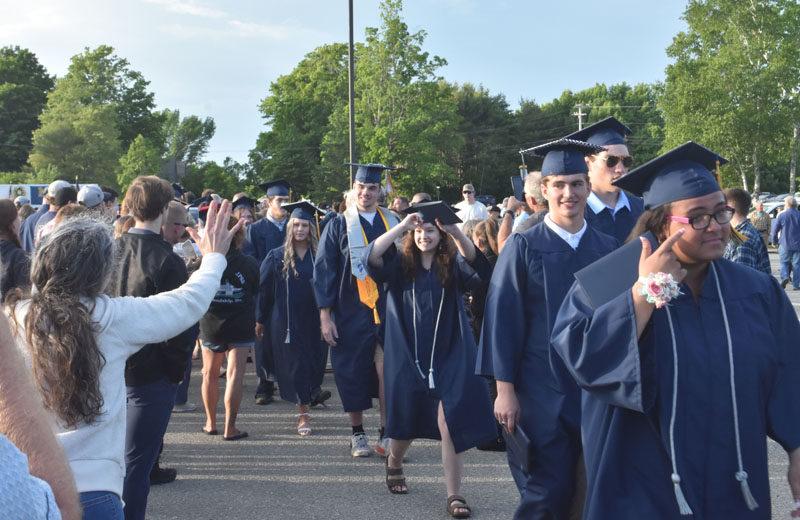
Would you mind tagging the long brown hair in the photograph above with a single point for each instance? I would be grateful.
(486, 230)
(288, 251)
(8, 214)
(653, 220)
(411, 258)
(59, 330)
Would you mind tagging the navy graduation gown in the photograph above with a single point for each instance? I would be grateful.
(620, 225)
(628, 385)
(411, 406)
(298, 360)
(353, 357)
(262, 237)
(532, 275)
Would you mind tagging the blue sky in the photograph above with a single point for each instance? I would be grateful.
(216, 58)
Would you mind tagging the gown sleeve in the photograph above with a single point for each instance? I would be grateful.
(783, 408)
(326, 265)
(602, 353)
(391, 264)
(266, 290)
(469, 275)
(502, 345)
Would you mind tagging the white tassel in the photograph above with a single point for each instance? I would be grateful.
(430, 380)
(683, 505)
(741, 476)
(288, 336)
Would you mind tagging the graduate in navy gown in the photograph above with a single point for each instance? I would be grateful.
(431, 389)
(609, 209)
(287, 312)
(262, 237)
(352, 305)
(680, 397)
(532, 275)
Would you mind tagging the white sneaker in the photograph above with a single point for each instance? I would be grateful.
(185, 407)
(358, 445)
(382, 448)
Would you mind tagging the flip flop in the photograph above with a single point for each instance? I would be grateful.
(209, 432)
(240, 435)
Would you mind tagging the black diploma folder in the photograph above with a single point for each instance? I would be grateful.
(606, 278)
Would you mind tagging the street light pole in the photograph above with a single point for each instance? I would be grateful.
(351, 94)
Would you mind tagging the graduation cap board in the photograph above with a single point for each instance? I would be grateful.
(519, 447)
(681, 173)
(243, 202)
(430, 211)
(276, 188)
(370, 173)
(606, 132)
(304, 210)
(564, 156)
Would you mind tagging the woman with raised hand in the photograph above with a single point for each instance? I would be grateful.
(78, 339)
(431, 389)
(287, 311)
(688, 370)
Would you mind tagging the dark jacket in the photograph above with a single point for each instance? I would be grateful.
(148, 266)
(231, 318)
(15, 268)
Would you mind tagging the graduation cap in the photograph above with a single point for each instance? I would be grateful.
(304, 210)
(564, 157)
(243, 201)
(608, 131)
(370, 173)
(682, 173)
(202, 205)
(430, 211)
(276, 188)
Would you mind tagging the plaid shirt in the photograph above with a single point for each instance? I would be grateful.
(753, 252)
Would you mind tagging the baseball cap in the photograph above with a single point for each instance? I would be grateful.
(90, 195)
(55, 186)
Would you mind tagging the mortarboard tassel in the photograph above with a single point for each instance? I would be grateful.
(683, 505)
(430, 379)
(741, 476)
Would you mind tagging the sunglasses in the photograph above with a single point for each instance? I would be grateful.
(465, 192)
(612, 160)
(700, 222)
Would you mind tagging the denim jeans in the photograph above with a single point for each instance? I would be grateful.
(790, 258)
(101, 505)
(149, 409)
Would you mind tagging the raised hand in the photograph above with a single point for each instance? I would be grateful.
(662, 259)
(216, 235)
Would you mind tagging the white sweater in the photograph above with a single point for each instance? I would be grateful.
(96, 452)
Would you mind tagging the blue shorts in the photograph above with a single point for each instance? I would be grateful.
(222, 348)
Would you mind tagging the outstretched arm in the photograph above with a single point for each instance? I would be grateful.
(385, 241)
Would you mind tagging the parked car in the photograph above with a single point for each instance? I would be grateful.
(486, 200)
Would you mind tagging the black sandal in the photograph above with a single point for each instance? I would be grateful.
(455, 502)
(399, 480)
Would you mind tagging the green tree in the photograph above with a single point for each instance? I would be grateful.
(24, 84)
(77, 141)
(142, 158)
(298, 111)
(735, 67)
(100, 77)
(186, 139)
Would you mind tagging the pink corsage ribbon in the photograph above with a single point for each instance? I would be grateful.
(659, 288)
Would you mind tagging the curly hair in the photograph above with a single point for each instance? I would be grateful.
(411, 258)
(653, 220)
(288, 252)
(59, 330)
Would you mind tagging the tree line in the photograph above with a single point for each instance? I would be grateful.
(732, 86)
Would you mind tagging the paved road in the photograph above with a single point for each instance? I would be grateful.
(276, 474)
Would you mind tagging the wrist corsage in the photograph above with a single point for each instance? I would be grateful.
(659, 288)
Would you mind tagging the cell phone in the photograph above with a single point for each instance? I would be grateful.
(517, 185)
(188, 250)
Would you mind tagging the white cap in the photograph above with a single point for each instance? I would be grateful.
(55, 186)
(22, 200)
(90, 195)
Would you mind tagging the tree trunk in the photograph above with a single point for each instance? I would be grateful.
(793, 164)
(744, 179)
(756, 172)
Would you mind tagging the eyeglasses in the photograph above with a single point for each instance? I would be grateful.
(612, 160)
(699, 222)
(466, 192)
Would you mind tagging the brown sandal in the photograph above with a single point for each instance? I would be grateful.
(395, 480)
(456, 502)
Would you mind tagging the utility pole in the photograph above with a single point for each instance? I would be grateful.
(351, 95)
(580, 114)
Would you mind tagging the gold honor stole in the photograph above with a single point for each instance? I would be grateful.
(357, 241)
